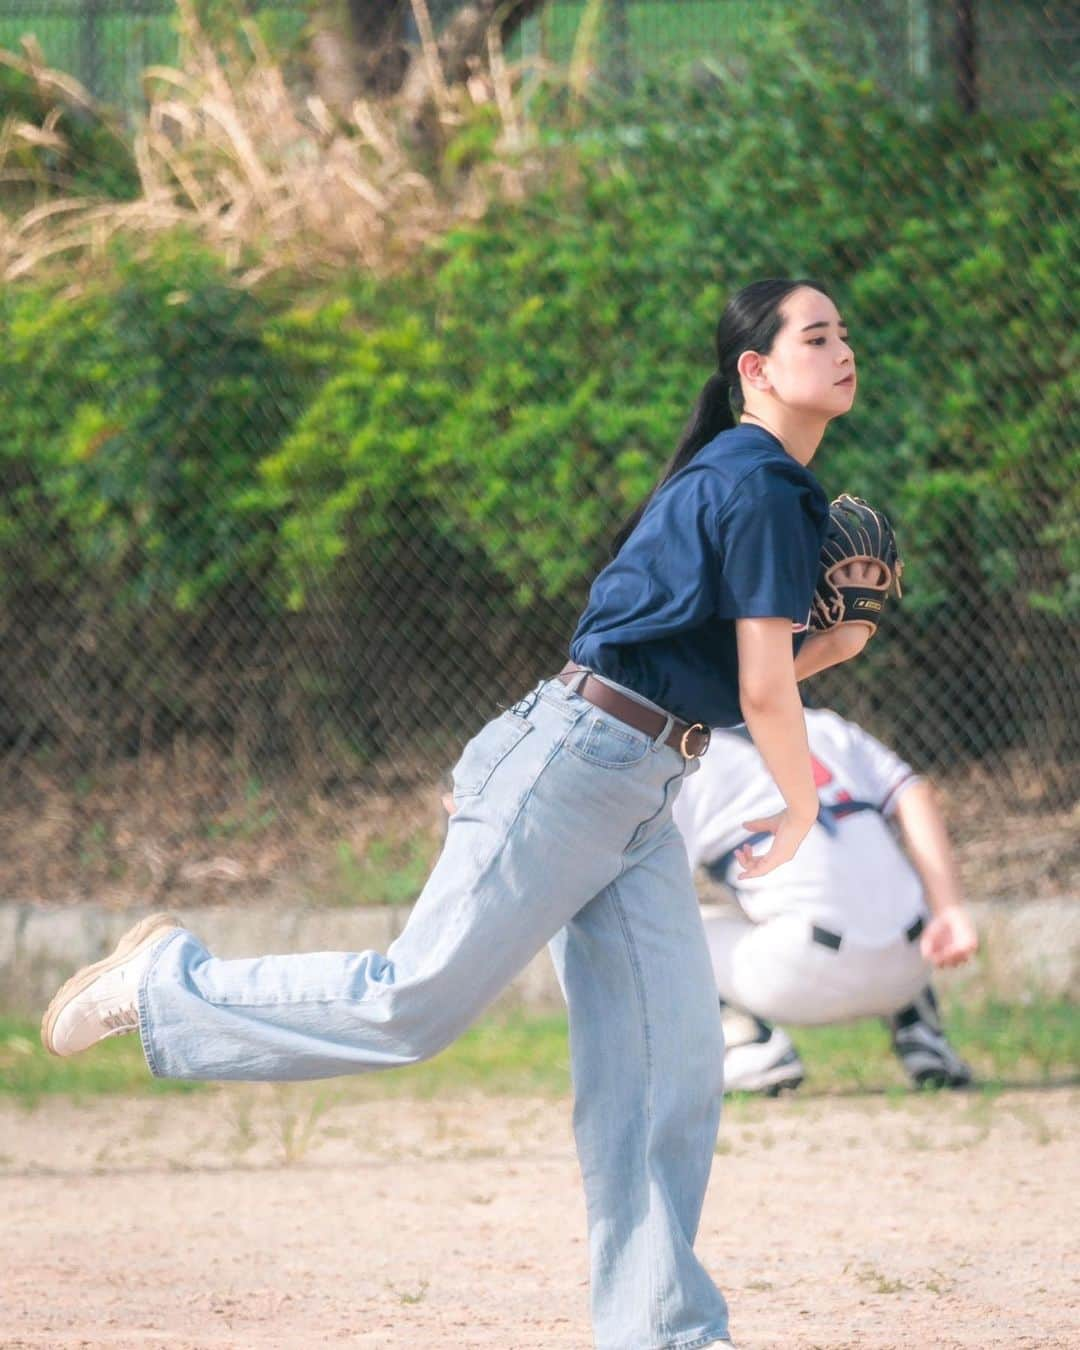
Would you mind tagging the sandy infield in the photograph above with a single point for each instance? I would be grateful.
(279, 1217)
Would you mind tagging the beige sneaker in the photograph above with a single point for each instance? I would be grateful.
(102, 1000)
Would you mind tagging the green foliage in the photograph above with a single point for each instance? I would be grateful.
(138, 411)
(87, 154)
(554, 350)
(173, 442)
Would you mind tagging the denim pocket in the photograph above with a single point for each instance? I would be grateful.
(602, 741)
(486, 751)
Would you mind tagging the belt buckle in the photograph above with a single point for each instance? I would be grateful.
(684, 738)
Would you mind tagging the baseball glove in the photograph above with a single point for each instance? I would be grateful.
(856, 534)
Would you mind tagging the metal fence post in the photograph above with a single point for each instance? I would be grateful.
(620, 45)
(966, 57)
(90, 46)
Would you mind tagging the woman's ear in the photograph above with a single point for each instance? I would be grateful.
(751, 367)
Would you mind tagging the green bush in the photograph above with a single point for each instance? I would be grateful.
(92, 156)
(435, 463)
(550, 358)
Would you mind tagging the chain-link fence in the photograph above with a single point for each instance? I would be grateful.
(1002, 55)
(108, 44)
(267, 561)
(994, 54)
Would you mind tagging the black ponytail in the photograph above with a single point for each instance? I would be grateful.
(750, 322)
(712, 414)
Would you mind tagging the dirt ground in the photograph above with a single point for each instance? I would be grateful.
(276, 1217)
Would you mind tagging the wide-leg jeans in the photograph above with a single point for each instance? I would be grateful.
(562, 834)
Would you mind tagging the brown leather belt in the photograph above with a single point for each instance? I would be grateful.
(690, 739)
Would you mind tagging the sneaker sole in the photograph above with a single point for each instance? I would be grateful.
(133, 939)
(924, 1068)
(782, 1078)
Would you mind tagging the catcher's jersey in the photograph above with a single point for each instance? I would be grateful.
(850, 874)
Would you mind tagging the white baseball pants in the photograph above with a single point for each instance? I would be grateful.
(776, 971)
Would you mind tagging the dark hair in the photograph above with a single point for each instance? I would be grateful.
(749, 323)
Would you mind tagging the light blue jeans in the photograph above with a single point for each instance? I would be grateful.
(563, 833)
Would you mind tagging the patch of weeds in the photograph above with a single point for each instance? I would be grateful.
(240, 1114)
(92, 844)
(409, 1296)
(299, 1114)
(1028, 1115)
(878, 1282)
(389, 873)
(246, 821)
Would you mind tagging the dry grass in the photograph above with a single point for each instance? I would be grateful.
(270, 180)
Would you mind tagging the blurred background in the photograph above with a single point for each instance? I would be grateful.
(337, 338)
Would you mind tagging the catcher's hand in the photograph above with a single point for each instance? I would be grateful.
(859, 567)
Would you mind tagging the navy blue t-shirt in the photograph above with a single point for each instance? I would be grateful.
(734, 535)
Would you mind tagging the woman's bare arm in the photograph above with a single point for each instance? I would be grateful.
(822, 650)
(769, 695)
(949, 938)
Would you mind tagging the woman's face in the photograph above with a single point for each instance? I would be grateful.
(811, 367)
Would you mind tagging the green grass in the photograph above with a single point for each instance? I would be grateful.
(526, 1056)
(27, 1072)
(1030, 1043)
(510, 1055)
(391, 872)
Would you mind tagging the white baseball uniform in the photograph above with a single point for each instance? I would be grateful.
(832, 934)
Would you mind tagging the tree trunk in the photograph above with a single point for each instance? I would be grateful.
(333, 57)
(378, 34)
(966, 56)
(463, 46)
(360, 47)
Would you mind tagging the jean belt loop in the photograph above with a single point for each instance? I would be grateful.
(580, 676)
(660, 739)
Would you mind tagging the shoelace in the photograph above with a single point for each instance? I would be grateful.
(121, 1019)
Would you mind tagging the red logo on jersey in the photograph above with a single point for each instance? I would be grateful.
(823, 776)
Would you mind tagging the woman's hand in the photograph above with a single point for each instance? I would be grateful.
(872, 573)
(949, 939)
(788, 831)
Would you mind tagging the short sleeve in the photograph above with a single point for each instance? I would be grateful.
(770, 541)
(878, 774)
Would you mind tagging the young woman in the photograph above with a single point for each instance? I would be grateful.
(562, 833)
